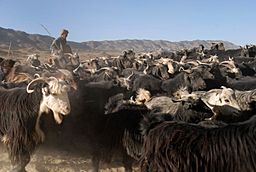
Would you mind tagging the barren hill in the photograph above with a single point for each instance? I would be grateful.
(34, 43)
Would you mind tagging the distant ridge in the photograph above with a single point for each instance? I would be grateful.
(151, 45)
(21, 40)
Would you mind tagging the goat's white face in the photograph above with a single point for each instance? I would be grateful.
(220, 97)
(171, 69)
(55, 98)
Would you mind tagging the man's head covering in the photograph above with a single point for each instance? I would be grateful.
(63, 31)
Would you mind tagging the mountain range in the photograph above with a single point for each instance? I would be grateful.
(18, 40)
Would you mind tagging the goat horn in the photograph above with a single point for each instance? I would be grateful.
(228, 65)
(105, 68)
(193, 63)
(36, 75)
(52, 78)
(202, 63)
(145, 70)
(70, 54)
(227, 62)
(188, 71)
(128, 78)
(37, 80)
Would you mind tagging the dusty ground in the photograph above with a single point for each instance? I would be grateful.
(57, 161)
(49, 161)
(64, 150)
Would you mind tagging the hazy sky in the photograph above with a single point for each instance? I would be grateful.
(229, 20)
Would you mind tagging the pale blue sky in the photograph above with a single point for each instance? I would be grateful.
(171, 20)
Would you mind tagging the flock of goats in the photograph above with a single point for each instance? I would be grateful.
(189, 110)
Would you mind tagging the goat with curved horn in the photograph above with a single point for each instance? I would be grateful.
(129, 77)
(37, 80)
(195, 63)
(203, 63)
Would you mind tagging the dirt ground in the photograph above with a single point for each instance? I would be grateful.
(49, 161)
(59, 154)
(45, 160)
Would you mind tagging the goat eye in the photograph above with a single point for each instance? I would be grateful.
(226, 100)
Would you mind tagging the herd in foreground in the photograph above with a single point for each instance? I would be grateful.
(190, 110)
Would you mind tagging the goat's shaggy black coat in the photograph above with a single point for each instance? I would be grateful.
(177, 146)
(18, 115)
(119, 132)
(192, 111)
